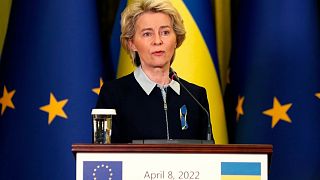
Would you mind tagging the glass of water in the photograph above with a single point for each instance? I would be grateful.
(102, 125)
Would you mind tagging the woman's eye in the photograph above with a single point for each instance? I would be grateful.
(146, 34)
(165, 33)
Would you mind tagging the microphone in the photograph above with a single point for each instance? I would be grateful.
(173, 75)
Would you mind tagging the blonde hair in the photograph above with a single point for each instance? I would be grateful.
(134, 10)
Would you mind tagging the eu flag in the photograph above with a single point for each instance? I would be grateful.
(50, 77)
(102, 170)
(274, 91)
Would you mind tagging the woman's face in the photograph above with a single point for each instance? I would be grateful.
(154, 40)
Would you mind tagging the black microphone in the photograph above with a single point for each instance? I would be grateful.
(173, 75)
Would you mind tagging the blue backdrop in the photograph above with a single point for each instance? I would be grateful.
(50, 63)
(273, 96)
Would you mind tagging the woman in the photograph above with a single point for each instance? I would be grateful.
(149, 104)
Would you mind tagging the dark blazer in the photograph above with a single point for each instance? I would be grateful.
(141, 116)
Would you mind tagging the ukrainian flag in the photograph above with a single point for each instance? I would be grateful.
(240, 171)
(5, 6)
(223, 33)
(196, 60)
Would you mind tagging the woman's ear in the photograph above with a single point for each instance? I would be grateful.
(131, 45)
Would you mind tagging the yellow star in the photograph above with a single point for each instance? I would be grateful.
(54, 108)
(278, 112)
(318, 95)
(6, 100)
(239, 108)
(97, 90)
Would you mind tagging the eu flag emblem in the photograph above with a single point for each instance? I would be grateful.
(102, 170)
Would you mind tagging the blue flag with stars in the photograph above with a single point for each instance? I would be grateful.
(49, 81)
(102, 170)
(274, 91)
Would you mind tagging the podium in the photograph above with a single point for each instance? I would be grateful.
(171, 161)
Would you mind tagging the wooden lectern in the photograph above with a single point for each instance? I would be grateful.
(171, 161)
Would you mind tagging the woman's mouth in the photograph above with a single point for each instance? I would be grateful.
(158, 53)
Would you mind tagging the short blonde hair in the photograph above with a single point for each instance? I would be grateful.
(134, 10)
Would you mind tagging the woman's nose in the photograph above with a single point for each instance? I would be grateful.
(157, 40)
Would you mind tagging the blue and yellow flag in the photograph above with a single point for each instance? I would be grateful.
(5, 7)
(274, 94)
(196, 60)
(49, 77)
(223, 31)
(240, 171)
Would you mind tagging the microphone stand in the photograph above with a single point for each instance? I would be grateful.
(173, 75)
